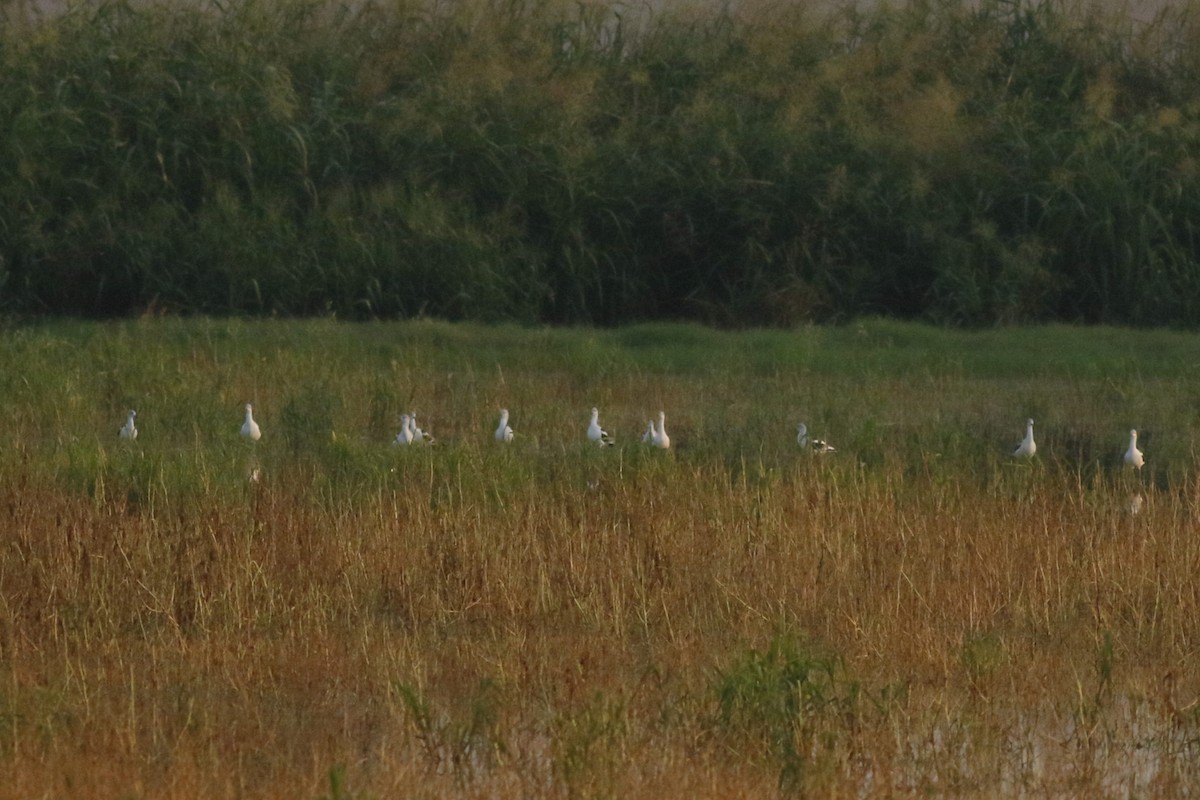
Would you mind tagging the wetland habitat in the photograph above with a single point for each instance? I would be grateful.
(735, 617)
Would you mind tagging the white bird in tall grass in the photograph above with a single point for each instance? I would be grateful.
(1133, 456)
(504, 433)
(405, 436)
(660, 438)
(419, 436)
(250, 428)
(1027, 447)
(129, 430)
(597, 434)
(815, 445)
(648, 436)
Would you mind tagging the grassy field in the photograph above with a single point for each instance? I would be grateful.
(913, 614)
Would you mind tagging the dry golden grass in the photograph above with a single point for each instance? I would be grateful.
(550, 620)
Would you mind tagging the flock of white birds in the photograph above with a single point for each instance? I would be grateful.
(411, 433)
(655, 435)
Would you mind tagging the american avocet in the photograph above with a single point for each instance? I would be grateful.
(503, 432)
(250, 428)
(815, 445)
(419, 436)
(129, 430)
(405, 436)
(1027, 447)
(1133, 456)
(597, 434)
(661, 440)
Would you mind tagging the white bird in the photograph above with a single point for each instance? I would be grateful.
(660, 439)
(419, 436)
(129, 430)
(503, 432)
(597, 434)
(1133, 456)
(405, 436)
(816, 445)
(250, 427)
(1027, 447)
(648, 436)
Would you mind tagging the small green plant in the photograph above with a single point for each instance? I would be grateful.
(338, 789)
(788, 696)
(589, 738)
(982, 656)
(464, 738)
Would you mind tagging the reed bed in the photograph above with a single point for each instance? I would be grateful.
(544, 161)
(913, 614)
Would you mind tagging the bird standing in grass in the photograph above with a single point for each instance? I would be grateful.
(504, 433)
(1027, 447)
(648, 436)
(405, 436)
(1133, 456)
(129, 430)
(660, 438)
(815, 445)
(597, 434)
(418, 436)
(250, 428)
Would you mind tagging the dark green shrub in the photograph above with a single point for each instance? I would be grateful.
(1001, 161)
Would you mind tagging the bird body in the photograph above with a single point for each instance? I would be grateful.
(418, 436)
(1133, 456)
(660, 438)
(504, 433)
(405, 436)
(250, 429)
(1027, 448)
(129, 430)
(648, 436)
(597, 434)
(815, 445)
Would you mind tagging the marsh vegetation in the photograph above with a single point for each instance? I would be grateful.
(577, 162)
(734, 617)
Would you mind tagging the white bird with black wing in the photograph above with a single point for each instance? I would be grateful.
(660, 439)
(808, 443)
(419, 436)
(1133, 456)
(504, 433)
(129, 430)
(597, 434)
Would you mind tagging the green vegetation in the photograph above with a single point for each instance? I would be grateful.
(915, 614)
(567, 162)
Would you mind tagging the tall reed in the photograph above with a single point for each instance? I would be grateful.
(534, 160)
